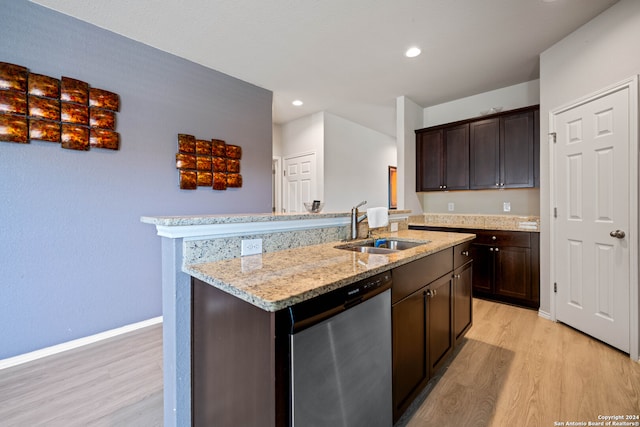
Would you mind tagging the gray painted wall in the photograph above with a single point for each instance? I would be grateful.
(74, 257)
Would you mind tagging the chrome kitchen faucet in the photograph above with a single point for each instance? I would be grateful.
(355, 220)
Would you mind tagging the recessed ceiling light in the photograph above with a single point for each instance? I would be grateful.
(412, 52)
(297, 103)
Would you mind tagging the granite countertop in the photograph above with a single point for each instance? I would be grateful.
(478, 221)
(276, 280)
(247, 218)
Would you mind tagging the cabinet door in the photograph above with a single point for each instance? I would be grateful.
(513, 271)
(410, 365)
(439, 322)
(483, 268)
(429, 160)
(484, 146)
(456, 160)
(516, 150)
(462, 303)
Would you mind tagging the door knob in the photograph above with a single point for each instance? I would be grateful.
(618, 234)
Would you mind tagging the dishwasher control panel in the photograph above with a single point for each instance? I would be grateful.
(306, 313)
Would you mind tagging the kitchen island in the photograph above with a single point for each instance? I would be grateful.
(259, 287)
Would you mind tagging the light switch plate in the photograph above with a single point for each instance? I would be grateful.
(251, 247)
(506, 206)
(451, 206)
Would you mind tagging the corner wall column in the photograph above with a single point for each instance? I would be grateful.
(176, 335)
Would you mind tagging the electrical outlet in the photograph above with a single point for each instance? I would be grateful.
(451, 206)
(394, 226)
(251, 247)
(506, 206)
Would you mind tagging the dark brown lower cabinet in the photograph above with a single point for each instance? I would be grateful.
(462, 299)
(430, 316)
(506, 264)
(439, 322)
(410, 359)
(507, 267)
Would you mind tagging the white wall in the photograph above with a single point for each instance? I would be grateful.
(601, 53)
(507, 98)
(523, 201)
(277, 148)
(408, 119)
(356, 164)
(302, 136)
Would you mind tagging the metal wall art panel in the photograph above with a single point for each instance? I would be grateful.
(14, 102)
(38, 107)
(13, 128)
(208, 163)
(44, 130)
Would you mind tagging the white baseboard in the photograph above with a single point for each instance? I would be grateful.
(544, 314)
(70, 345)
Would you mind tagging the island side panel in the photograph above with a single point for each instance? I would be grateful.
(176, 335)
(233, 360)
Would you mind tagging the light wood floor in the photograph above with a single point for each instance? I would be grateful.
(515, 369)
(117, 382)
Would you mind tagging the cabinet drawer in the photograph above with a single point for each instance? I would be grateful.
(461, 254)
(509, 238)
(412, 276)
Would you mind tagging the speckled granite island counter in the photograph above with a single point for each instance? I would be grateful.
(299, 261)
(277, 280)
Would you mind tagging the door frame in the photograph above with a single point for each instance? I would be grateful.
(276, 167)
(631, 84)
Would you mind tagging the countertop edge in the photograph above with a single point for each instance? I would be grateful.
(402, 258)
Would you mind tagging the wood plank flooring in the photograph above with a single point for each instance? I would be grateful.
(514, 369)
(116, 382)
(517, 369)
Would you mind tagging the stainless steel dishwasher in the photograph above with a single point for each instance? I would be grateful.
(340, 357)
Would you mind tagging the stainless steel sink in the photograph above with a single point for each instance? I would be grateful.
(381, 246)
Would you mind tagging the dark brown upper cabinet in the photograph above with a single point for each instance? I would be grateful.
(442, 156)
(491, 152)
(502, 152)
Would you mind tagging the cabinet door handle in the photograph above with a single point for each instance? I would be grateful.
(497, 249)
(444, 186)
(491, 249)
(497, 185)
(465, 253)
(493, 237)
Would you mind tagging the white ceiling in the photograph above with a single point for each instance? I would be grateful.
(346, 56)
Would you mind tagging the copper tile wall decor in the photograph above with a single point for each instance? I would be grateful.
(208, 163)
(40, 85)
(13, 102)
(13, 128)
(13, 77)
(65, 111)
(44, 130)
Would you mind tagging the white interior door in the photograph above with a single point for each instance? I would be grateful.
(591, 185)
(299, 181)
